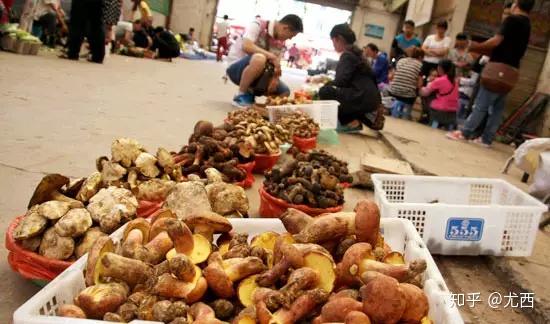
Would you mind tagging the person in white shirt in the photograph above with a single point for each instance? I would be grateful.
(261, 43)
(222, 29)
(436, 47)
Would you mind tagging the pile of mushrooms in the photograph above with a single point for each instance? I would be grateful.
(334, 268)
(299, 124)
(64, 219)
(248, 130)
(283, 101)
(206, 149)
(304, 181)
(149, 177)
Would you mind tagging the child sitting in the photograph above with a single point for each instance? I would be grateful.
(443, 108)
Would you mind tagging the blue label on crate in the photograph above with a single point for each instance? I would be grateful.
(464, 229)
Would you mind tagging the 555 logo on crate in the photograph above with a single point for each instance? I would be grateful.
(464, 229)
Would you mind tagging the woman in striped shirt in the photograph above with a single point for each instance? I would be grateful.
(407, 79)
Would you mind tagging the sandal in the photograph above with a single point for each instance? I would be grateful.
(455, 136)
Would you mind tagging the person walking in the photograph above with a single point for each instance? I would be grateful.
(87, 15)
(506, 50)
(222, 29)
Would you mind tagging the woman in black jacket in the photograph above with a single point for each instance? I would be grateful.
(354, 86)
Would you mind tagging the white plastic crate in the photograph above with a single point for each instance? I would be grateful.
(323, 112)
(462, 216)
(399, 234)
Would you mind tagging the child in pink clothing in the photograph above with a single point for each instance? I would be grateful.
(443, 108)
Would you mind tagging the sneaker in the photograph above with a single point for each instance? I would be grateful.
(479, 141)
(455, 136)
(244, 100)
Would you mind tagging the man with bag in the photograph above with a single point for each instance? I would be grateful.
(500, 75)
(256, 58)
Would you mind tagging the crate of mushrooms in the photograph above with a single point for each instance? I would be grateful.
(203, 268)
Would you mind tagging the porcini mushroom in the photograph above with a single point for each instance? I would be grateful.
(49, 189)
(207, 224)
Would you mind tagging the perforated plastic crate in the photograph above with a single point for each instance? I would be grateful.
(323, 112)
(398, 233)
(462, 216)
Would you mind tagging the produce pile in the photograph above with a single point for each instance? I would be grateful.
(312, 179)
(64, 219)
(332, 269)
(207, 149)
(299, 124)
(148, 176)
(283, 101)
(248, 130)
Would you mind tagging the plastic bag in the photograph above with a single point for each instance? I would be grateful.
(147, 208)
(304, 144)
(527, 155)
(265, 162)
(249, 180)
(272, 207)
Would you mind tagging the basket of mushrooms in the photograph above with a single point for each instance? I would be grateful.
(62, 222)
(248, 129)
(303, 130)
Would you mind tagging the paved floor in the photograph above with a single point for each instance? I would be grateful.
(59, 116)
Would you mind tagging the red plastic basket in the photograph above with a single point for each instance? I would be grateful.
(265, 162)
(249, 180)
(28, 264)
(304, 144)
(272, 207)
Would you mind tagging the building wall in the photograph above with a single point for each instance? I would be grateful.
(197, 14)
(454, 11)
(373, 12)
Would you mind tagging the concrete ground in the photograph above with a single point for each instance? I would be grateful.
(59, 116)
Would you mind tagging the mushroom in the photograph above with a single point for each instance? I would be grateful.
(90, 187)
(146, 164)
(207, 224)
(126, 151)
(166, 160)
(107, 198)
(188, 198)
(221, 274)
(111, 172)
(32, 225)
(54, 246)
(53, 209)
(74, 223)
(154, 189)
(49, 189)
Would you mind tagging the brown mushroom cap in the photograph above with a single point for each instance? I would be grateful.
(208, 223)
(101, 246)
(140, 224)
(367, 222)
(50, 183)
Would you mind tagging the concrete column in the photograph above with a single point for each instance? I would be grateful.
(197, 14)
(373, 12)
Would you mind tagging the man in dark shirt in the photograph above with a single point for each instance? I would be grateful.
(140, 38)
(508, 46)
(166, 43)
